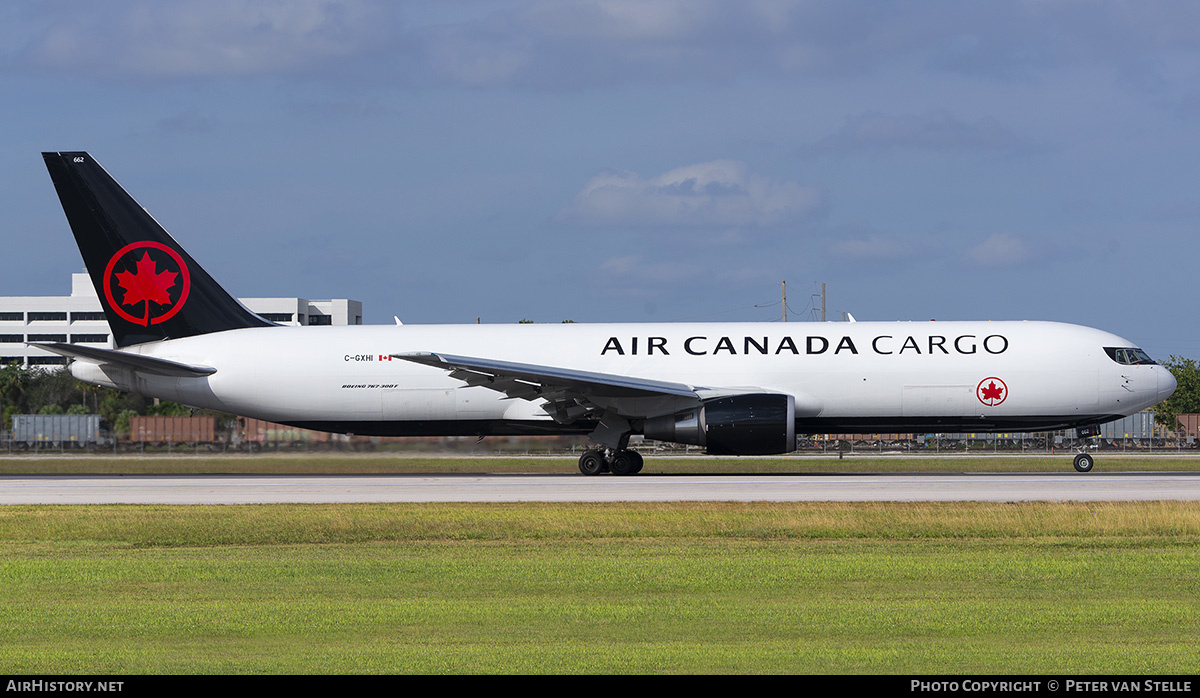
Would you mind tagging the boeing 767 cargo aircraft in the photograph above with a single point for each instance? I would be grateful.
(733, 388)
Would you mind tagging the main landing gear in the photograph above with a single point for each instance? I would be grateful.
(615, 461)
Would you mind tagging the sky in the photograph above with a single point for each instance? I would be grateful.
(632, 161)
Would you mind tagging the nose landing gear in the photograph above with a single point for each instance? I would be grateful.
(1084, 461)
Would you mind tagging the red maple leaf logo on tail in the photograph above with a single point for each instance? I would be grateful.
(147, 284)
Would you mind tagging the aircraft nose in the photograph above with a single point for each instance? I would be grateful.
(1166, 383)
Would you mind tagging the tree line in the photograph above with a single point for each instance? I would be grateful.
(39, 390)
(1186, 398)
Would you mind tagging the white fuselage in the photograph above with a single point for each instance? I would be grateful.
(844, 375)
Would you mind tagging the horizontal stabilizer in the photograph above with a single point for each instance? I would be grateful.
(136, 362)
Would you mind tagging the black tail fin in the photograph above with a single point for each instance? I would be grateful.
(150, 288)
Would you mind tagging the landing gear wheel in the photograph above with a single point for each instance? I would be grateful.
(623, 463)
(591, 463)
(638, 462)
(1084, 462)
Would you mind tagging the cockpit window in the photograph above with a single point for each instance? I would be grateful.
(1129, 356)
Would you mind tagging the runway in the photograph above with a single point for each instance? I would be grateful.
(264, 489)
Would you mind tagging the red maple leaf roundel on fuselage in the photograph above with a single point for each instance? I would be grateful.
(148, 284)
(991, 391)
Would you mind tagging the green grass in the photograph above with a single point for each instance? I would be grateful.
(716, 587)
(372, 464)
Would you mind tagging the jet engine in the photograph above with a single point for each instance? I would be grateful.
(739, 425)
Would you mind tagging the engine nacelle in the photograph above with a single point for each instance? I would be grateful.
(89, 372)
(740, 425)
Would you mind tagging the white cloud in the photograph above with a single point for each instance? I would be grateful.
(720, 193)
(192, 38)
(625, 20)
(569, 44)
(1000, 250)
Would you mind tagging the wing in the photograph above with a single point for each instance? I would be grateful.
(569, 393)
(501, 375)
(619, 404)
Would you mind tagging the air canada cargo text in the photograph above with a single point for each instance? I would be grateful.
(885, 344)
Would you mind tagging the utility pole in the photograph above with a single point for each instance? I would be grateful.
(783, 286)
(822, 301)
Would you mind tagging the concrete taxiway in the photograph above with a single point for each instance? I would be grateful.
(265, 489)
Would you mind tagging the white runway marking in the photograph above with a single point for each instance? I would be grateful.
(259, 489)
